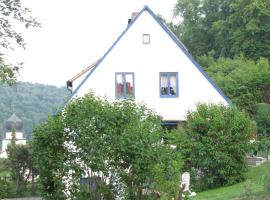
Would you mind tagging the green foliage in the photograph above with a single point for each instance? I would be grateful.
(33, 103)
(4, 188)
(3, 166)
(262, 118)
(255, 176)
(261, 147)
(8, 73)
(12, 11)
(20, 165)
(227, 27)
(239, 78)
(215, 146)
(167, 173)
(117, 143)
(50, 156)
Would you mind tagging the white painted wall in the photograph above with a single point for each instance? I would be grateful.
(146, 61)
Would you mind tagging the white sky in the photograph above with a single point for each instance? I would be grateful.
(74, 34)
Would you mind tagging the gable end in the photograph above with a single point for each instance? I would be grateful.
(172, 36)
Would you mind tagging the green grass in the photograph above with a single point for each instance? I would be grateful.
(234, 192)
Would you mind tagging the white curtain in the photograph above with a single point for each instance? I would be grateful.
(164, 81)
(173, 84)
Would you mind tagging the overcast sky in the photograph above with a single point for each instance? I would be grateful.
(74, 34)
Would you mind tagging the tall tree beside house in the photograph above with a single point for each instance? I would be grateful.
(12, 11)
(227, 27)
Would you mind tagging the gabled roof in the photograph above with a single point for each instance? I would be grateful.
(172, 36)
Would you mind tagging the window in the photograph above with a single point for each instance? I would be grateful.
(168, 84)
(124, 85)
(146, 38)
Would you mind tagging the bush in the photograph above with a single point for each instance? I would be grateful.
(119, 143)
(215, 145)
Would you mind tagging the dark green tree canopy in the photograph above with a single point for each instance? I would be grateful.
(227, 27)
(239, 78)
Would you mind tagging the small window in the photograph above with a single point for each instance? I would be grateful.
(124, 83)
(168, 84)
(146, 38)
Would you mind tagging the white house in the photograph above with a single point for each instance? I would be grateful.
(149, 64)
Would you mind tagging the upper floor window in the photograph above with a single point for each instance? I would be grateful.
(146, 38)
(124, 85)
(168, 84)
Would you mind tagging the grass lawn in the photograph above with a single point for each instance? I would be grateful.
(255, 175)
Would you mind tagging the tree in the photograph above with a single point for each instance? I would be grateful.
(239, 78)
(106, 149)
(18, 159)
(262, 117)
(50, 156)
(215, 145)
(227, 27)
(10, 11)
(20, 164)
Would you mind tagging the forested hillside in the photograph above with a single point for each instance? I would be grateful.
(32, 102)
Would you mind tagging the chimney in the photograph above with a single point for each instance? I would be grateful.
(133, 16)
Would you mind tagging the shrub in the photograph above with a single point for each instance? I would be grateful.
(215, 146)
(119, 143)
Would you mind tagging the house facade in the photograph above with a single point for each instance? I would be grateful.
(149, 64)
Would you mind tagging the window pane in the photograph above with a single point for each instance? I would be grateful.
(119, 85)
(164, 84)
(129, 86)
(173, 83)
